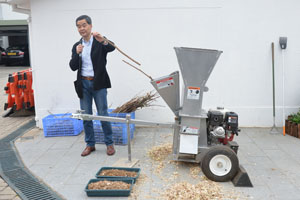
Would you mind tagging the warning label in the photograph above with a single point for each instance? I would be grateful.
(193, 93)
(167, 82)
(189, 129)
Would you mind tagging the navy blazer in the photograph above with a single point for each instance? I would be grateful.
(98, 55)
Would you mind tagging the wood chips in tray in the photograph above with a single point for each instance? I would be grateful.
(117, 172)
(109, 185)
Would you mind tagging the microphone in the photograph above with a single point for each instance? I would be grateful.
(80, 41)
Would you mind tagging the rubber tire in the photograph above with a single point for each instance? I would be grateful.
(220, 150)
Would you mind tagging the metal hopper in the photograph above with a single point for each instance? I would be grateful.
(168, 89)
(196, 66)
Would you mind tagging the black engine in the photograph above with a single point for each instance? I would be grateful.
(221, 124)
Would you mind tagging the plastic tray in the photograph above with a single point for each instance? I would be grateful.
(61, 125)
(119, 130)
(109, 193)
(120, 168)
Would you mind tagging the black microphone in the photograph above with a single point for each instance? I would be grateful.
(80, 41)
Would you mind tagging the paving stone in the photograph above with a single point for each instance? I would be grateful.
(17, 198)
(2, 188)
(68, 191)
(50, 157)
(8, 191)
(6, 197)
(2, 183)
(270, 167)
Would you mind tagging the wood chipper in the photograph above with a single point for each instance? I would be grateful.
(199, 136)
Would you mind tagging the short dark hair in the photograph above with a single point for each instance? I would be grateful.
(86, 17)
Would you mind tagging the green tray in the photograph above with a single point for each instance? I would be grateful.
(109, 193)
(120, 168)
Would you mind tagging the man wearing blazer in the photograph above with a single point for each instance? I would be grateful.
(89, 59)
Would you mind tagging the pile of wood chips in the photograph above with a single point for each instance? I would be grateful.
(204, 190)
(161, 152)
(137, 187)
(117, 172)
(109, 185)
(136, 103)
(195, 171)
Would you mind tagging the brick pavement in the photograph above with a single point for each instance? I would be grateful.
(7, 126)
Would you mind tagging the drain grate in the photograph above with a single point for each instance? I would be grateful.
(16, 175)
(28, 185)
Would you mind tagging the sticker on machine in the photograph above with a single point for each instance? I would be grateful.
(189, 129)
(167, 82)
(193, 93)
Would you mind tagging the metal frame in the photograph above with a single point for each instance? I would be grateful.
(126, 120)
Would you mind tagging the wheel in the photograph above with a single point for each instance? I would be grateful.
(220, 163)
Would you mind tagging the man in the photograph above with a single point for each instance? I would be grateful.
(89, 59)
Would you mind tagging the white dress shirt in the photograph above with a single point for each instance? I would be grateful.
(87, 65)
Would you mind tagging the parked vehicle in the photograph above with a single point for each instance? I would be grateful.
(15, 55)
(1, 50)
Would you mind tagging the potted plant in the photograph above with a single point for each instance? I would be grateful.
(293, 125)
(288, 124)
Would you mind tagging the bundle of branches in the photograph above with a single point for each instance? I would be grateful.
(136, 103)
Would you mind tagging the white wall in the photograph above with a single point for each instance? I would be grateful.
(148, 31)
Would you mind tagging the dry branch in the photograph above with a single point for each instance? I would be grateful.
(138, 69)
(136, 103)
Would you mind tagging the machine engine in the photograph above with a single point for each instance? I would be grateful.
(222, 125)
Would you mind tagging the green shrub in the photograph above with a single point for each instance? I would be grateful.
(296, 117)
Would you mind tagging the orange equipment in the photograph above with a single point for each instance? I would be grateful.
(20, 92)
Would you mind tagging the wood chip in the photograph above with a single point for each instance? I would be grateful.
(185, 190)
(109, 185)
(195, 171)
(117, 172)
(136, 189)
(204, 190)
(166, 136)
(158, 154)
(161, 152)
(159, 167)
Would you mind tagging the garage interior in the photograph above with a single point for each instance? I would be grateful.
(13, 33)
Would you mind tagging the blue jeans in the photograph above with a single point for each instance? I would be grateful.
(86, 103)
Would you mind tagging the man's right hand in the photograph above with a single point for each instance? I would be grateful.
(79, 49)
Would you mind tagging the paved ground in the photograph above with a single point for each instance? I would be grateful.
(272, 161)
(8, 125)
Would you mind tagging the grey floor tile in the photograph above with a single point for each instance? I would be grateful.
(50, 157)
(40, 170)
(68, 192)
(272, 163)
(257, 193)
